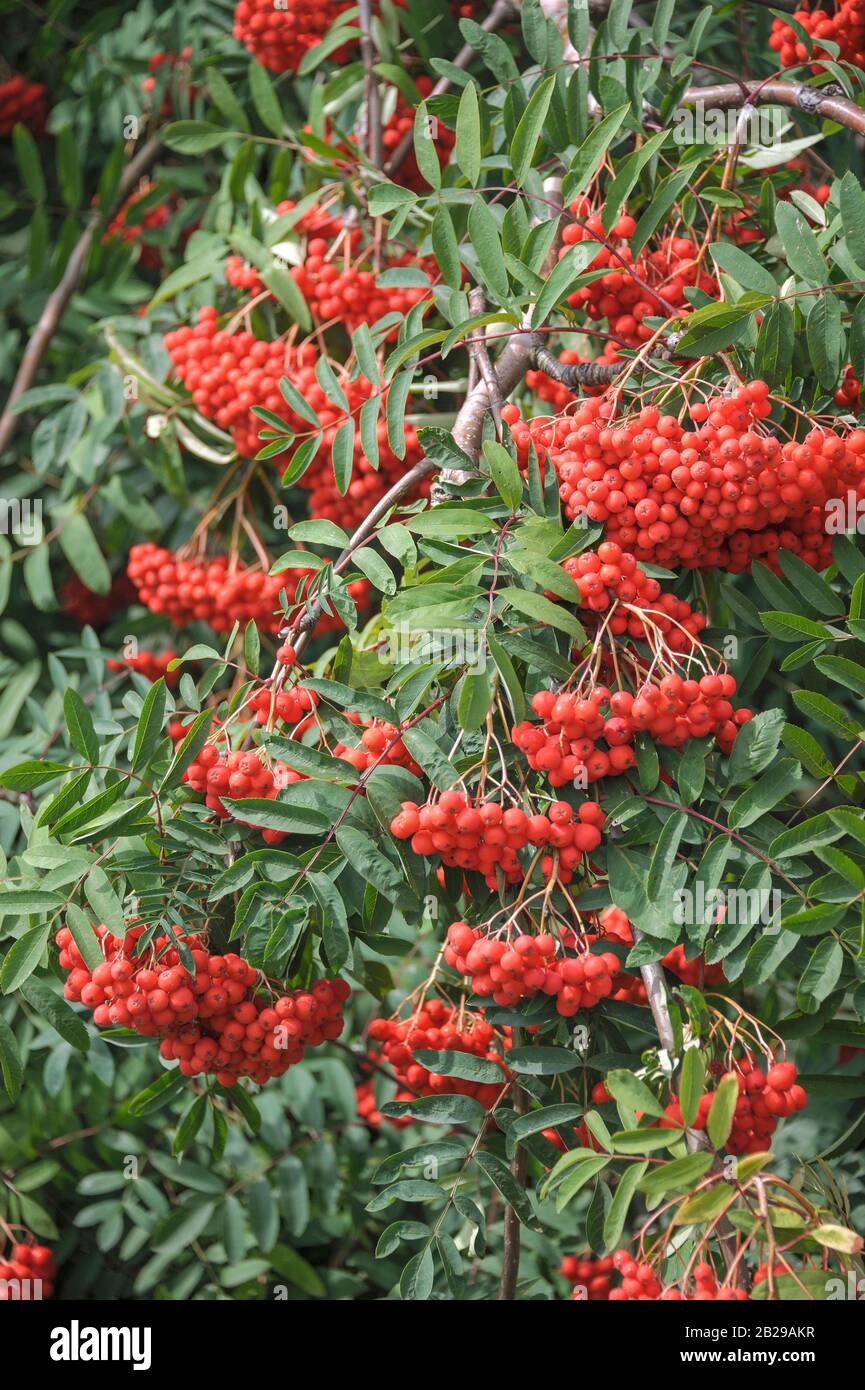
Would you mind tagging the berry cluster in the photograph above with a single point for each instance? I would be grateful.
(633, 288)
(211, 1020)
(695, 971)
(368, 1111)
(22, 102)
(377, 748)
(742, 225)
(715, 494)
(706, 1289)
(568, 744)
(528, 965)
(591, 1276)
(314, 222)
(149, 665)
(339, 285)
(27, 1274)
(130, 225)
(488, 836)
(209, 589)
(438, 1026)
(290, 704)
(88, 609)
(239, 775)
(228, 373)
(764, 1098)
(844, 27)
(171, 61)
(280, 36)
(849, 392)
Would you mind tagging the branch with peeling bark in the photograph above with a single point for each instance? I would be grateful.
(55, 305)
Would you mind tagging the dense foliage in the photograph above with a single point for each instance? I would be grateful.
(431, 651)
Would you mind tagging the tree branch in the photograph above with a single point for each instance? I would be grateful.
(395, 494)
(826, 103)
(55, 304)
(372, 105)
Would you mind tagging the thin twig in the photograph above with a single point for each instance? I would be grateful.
(55, 304)
(372, 104)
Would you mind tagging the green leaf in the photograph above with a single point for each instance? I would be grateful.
(26, 153)
(79, 723)
(361, 852)
(821, 975)
(486, 241)
(562, 279)
(194, 137)
(11, 1066)
(438, 1110)
(334, 921)
(765, 794)
(550, 1117)
(451, 523)
(756, 745)
(56, 1012)
(722, 1109)
(542, 1061)
(633, 1092)
(23, 957)
(505, 473)
(679, 1173)
(811, 585)
(26, 776)
(467, 151)
(713, 327)
(80, 547)
(184, 1226)
(425, 152)
(463, 1065)
(417, 1279)
(446, 248)
(529, 128)
(151, 719)
(502, 1178)
(847, 673)
(665, 855)
(804, 256)
(265, 100)
(825, 339)
(852, 204)
(104, 901)
(693, 1083)
(589, 157)
(545, 613)
(84, 936)
(618, 1213)
(705, 1206)
(743, 268)
(792, 627)
(297, 1271)
(825, 712)
(474, 700)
